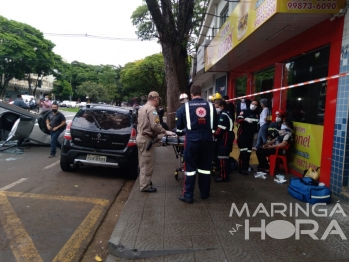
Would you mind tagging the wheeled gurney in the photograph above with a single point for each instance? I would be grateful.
(178, 147)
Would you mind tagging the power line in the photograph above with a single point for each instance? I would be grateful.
(98, 37)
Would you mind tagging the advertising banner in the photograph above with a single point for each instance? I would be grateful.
(248, 16)
(306, 148)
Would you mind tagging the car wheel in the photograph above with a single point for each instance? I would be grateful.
(133, 171)
(65, 166)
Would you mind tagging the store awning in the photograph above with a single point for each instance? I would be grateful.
(244, 37)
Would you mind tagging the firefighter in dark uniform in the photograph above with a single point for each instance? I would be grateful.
(225, 138)
(275, 127)
(247, 120)
(200, 120)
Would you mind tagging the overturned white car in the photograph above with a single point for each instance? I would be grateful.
(17, 123)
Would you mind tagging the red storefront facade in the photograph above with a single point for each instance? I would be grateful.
(268, 44)
(328, 33)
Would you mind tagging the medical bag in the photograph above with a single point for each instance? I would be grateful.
(308, 190)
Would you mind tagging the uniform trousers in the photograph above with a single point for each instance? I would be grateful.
(245, 142)
(146, 161)
(223, 152)
(198, 156)
(262, 154)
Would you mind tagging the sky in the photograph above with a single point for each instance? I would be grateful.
(108, 18)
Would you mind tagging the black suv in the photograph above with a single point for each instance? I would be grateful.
(101, 135)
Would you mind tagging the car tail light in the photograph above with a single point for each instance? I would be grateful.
(132, 141)
(67, 134)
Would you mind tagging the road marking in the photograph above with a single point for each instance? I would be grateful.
(13, 184)
(52, 165)
(21, 244)
(69, 250)
(96, 201)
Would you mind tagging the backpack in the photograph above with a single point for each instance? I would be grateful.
(234, 164)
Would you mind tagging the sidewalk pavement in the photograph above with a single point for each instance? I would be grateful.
(159, 227)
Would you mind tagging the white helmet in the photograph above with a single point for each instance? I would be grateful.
(183, 98)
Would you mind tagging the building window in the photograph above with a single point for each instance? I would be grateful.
(241, 85)
(264, 81)
(224, 14)
(306, 104)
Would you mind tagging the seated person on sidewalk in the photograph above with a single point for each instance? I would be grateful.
(275, 127)
(284, 138)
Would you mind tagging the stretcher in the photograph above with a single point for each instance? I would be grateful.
(178, 147)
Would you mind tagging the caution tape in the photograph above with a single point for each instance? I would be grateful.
(288, 87)
(292, 86)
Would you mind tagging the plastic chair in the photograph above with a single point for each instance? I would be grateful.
(273, 159)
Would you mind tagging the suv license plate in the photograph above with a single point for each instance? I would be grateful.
(96, 158)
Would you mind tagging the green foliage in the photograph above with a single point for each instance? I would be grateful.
(24, 50)
(96, 92)
(62, 89)
(143, 76)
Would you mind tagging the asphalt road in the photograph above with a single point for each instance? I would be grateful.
(47, 214)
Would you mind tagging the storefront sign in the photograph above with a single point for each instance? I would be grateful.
(309, 6)
(248, 16)
(307, 146)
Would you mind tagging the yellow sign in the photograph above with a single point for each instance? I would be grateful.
(250, 15)
(306, 146)
(310, 6)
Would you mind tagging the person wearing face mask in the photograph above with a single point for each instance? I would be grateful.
(283, 139)
(225, 137)
(263, 125)
(45, 105)
(275, 127)
(247, 120)
(55, 123)
(244, 104)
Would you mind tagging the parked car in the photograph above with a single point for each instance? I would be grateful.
(101, 135)
(65, 103)
(24, 125)
(72, 104)
(82, 104)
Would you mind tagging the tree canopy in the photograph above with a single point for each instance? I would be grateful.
(24, 50)
(174, 23)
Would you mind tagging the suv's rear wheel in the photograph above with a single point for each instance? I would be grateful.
(65, 166)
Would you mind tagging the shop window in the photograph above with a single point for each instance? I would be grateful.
(221, 84)
(224, 14)
(264, 81)
(241, 85)
(306, 104)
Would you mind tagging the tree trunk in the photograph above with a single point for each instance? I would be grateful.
(30, 91)
(3, 89)
(176, 78)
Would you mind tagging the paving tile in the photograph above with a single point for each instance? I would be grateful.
(173, 229)
(176, 242)
(206, 228)
(161, 222)
(217, 254)
(150, 242)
